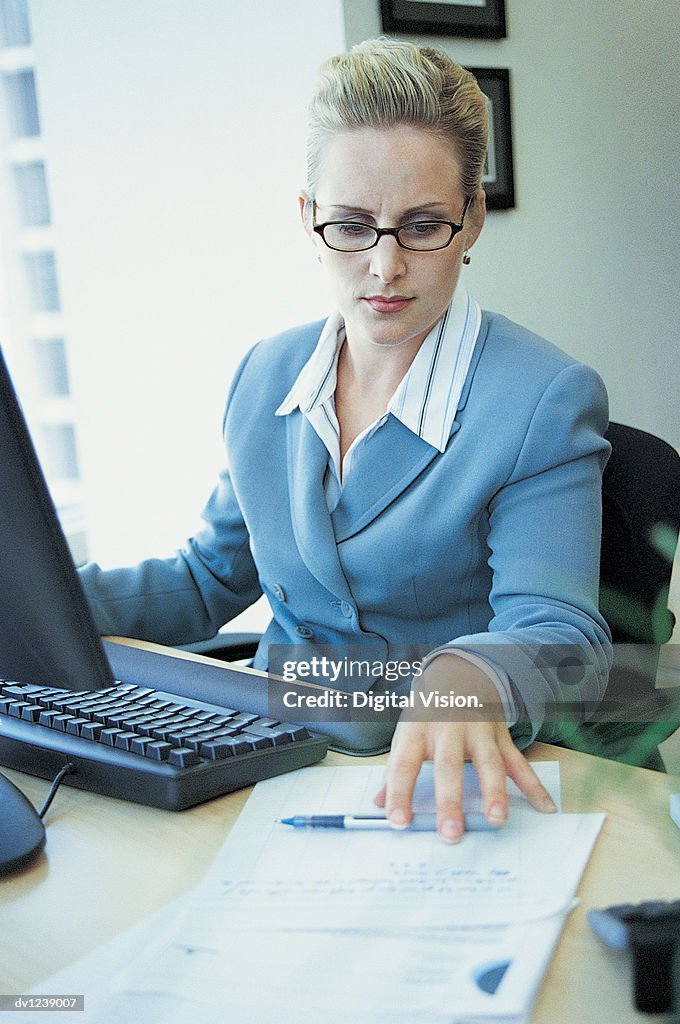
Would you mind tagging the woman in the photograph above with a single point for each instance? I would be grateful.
(412, 470)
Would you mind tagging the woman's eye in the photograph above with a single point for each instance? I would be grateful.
(355, 230)
(424, 228)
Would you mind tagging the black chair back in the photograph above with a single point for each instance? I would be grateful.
(640, 526)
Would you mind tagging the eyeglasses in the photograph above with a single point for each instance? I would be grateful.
(419, 236)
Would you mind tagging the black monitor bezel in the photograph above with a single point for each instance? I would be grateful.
(59, 646)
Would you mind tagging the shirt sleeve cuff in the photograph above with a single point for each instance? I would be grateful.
(498, 677)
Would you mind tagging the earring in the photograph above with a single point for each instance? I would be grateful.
(466, 259)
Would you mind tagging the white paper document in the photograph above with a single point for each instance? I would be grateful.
(294, 926)
(272, 875)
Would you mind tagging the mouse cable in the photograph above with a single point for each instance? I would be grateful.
(68, 769)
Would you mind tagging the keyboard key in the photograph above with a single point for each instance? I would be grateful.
(20, 690)
(75, 725)
(139, 692)
(47, 717)
(88, 707)
(177, 735)
(42, 695)
(163, 731)
(242, 719)
(91, 730)
(91, 707)
(17, 708)
(296, 732)
(196, 740)
(60, 721)
(102, 715)
(108, 736)
(69, 703)
(276, 735)
(160, 705)
(255, 741)
(157, 750)
(226, 747)
(124, 718)
(139, 745)
(31, 713)
(228, 720)
(145, 726)
(124, 740)
(183, 758)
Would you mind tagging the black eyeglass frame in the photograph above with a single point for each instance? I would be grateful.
(379, 232)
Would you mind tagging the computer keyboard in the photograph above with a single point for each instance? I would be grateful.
(146, 745)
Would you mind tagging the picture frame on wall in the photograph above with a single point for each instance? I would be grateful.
(483, 19)
(498, 178)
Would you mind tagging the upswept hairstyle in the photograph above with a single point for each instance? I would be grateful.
(385, 82)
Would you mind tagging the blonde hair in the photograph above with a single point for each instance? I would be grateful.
(385, 82)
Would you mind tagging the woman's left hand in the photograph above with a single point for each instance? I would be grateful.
(473, 734)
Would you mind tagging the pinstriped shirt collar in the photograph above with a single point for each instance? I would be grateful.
(427, 398)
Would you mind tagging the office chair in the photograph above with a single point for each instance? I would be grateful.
(640, 525)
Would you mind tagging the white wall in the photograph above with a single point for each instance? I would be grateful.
(175, 141)
(590, 256)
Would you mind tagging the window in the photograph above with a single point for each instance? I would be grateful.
(31, 189)
(44, 357)
(51, 368)
(41, 278)
(15, 29)
(22, 104)
(58, 449)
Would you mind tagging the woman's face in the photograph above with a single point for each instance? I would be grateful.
(387, 177)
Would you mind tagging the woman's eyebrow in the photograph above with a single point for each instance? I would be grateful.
(342, 209)
(345, 210)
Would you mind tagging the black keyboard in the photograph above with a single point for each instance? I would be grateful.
(145, 745)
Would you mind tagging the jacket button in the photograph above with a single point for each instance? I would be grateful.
(278, 592)
(346, 609)
(304, 631)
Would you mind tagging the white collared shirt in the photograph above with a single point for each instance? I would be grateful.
(426, 401)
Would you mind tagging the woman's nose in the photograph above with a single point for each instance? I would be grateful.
(388, 259)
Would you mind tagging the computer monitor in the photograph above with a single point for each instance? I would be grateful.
(47, 633)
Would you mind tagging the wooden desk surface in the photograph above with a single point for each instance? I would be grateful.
(109, 864)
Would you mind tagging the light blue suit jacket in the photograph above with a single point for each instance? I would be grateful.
(492, 545)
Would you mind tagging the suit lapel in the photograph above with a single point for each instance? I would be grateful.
(382, 469)
(312, 526)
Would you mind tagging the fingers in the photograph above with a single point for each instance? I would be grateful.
(448, 785)
(491, 770)
(524, 777)
(493, 755)
(408, 752)
(496, 757)
(414, 743)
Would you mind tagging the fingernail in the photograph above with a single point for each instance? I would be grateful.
(497, 813)
(548, 805)
(398, 819)
(451, 830)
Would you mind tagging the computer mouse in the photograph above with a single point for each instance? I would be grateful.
(22, 833)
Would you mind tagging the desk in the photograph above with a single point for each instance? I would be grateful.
(109, 864)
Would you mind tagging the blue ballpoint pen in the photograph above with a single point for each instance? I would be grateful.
(474, 822)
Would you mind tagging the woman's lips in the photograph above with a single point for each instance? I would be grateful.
(394, 304)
